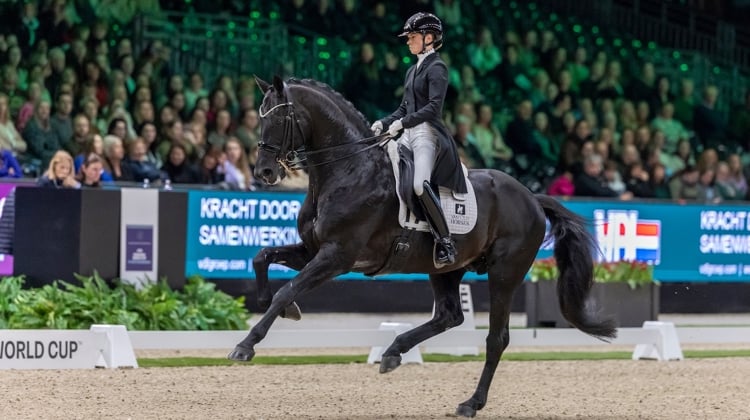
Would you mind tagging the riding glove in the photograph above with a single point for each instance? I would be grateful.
(377, 128)
(395, 128)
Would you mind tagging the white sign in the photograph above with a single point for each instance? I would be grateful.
(50, 349)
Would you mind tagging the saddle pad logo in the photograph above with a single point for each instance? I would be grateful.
(461, 209)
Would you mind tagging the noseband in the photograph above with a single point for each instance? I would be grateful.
(291, 160)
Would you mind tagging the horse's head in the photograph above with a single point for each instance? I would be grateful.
(280, 132)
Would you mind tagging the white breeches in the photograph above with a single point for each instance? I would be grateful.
(422, 141)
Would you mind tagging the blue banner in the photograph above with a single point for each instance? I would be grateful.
(684, 242)
(226, 229)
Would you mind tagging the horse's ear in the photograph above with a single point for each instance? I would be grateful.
(262, 84)
(278, 84)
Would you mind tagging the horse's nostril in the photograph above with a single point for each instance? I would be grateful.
(266, 173)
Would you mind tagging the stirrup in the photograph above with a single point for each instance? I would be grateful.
(445, 252)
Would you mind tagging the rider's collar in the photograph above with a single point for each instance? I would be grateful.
(422, 56)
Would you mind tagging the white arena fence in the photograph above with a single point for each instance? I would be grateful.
(112, 346)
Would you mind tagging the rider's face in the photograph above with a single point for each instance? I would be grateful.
(415, 41)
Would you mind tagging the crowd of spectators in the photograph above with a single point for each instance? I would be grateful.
(80, 106)
(584, 122)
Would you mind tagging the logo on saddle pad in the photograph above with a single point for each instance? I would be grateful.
(460, 210)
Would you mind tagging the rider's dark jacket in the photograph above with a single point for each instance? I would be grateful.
(424, 93)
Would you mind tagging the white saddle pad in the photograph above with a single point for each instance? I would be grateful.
(460, 210)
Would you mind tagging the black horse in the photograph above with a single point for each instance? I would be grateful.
(348, 223)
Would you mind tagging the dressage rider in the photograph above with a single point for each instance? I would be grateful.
(419, 116)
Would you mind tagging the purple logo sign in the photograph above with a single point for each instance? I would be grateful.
(139, 248)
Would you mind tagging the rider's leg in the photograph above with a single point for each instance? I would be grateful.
(423, 143)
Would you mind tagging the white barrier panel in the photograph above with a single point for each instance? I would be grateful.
(376, 352)
(667, 347)
(467, 307)
(117, 350)
(50, 349)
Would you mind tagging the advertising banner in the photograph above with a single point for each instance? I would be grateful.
(226, 229)
(139, 224)
(689, 242)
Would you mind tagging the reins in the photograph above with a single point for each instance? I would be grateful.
(292, 160)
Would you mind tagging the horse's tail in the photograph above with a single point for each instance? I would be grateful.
(574, 247)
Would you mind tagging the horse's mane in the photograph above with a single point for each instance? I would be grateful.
(333, 95)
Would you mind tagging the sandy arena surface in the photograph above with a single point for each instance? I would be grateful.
(690, 389)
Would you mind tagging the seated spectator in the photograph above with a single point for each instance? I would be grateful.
(562, 185)
(708, 192)
(194, 90)
(220, 131)
(9, 167)
(90, 174)
(542, 136)
(642, 87)
(724, 185)
(81, 134)
(138, 162)
(637, 181)
(708, 122)
(466, 144)
(684, 184)
(61, 122)
(483, 54)
(613, 176)
(235, 167)
(59, 174)
(490, 142)
(248, 132)
(660, 96)
(33, 96)
(658, 182)
(41, 140)
(591, 182)
(114, 153)
(10, 139)
(94, 145)
(209, 170)
(519, 134)
(147, 132)
(177, 169)
(736, 176)
(673, 130)
(684, 104)
(571, 157)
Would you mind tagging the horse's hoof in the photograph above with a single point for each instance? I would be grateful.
(389, 363)
(292, 312)
(241, 354)
(465, 411)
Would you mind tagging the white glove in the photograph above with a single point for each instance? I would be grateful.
(377, 127)
(395, 128)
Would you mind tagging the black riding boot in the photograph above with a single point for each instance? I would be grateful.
(445, 252)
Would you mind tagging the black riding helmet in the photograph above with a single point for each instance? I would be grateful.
(425, 23)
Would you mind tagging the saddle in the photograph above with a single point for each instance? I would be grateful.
(460, 209)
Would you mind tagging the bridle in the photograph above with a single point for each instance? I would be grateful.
(292, 157)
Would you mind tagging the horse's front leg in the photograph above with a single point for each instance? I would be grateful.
(293, 256)
(448, 314)
(329, 262)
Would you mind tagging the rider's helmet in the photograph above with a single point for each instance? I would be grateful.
(424, 23)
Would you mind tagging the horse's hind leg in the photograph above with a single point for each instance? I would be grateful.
(448, 314)
(504, 276)
(293, 256)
